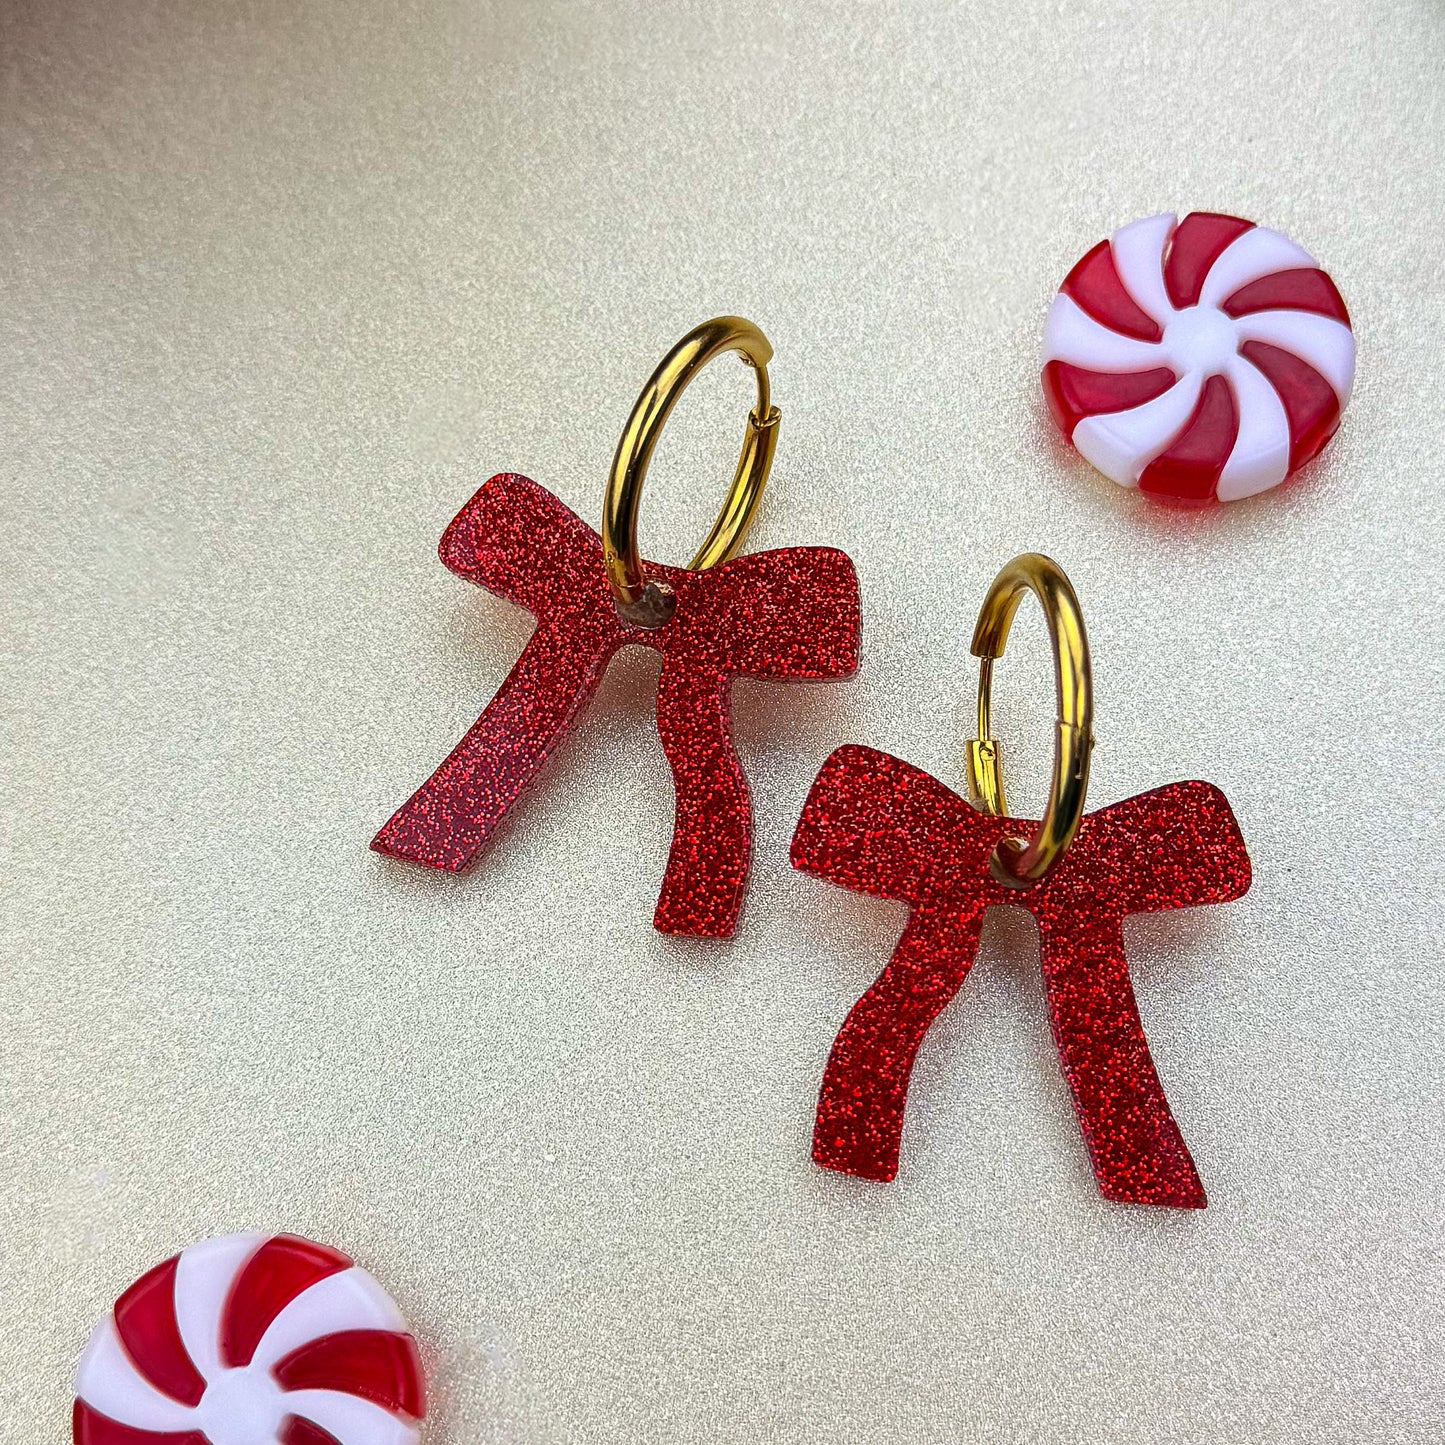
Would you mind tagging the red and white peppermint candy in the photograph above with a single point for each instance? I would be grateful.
(251, 1340)
(1197, 359)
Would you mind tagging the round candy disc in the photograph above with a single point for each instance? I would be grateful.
(1198, 359)
(251, 1340)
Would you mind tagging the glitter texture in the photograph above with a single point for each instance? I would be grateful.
(879, 825)
(789, 615)
(284, 284)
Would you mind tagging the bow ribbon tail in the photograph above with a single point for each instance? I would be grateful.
(712, 835)
(1139, 1155)
(453, 813)
(859, 1123)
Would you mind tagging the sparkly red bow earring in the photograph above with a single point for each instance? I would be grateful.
(788, 615)
(878, 825)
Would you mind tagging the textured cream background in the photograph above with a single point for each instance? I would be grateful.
(280, 285)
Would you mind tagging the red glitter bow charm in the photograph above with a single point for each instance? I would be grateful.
(879, 825)
(789, 615)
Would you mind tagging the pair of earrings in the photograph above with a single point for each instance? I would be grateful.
(871, 822)
(1197, 360)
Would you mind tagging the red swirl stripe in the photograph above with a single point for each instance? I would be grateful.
(145, 1319)
(1199, 240)
(376, 1365)
(1095, 285)
(1189, 468)
(1309, 400)
(281, 1269)
(1073, 392)
(296, 1431)
(1306, 288)
(89, 1427)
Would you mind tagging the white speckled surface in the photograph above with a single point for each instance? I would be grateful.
(280, 284)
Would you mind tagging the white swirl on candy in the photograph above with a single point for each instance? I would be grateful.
(1198, 359)
(251, 1340)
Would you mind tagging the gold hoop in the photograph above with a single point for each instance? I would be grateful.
(1013, 864)
(650, 604)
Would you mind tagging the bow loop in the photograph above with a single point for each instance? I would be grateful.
(516, 539)
(789, 613)
(1178, 846)
(876, 824)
